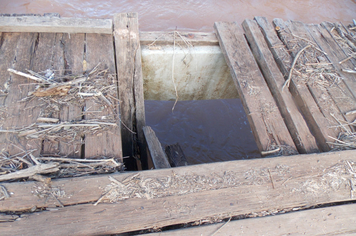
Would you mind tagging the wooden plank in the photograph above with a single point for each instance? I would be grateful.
(298, 128)
(334, 220)
(106, 143)
(158, 38)
(130, 83)
(17, 51)
(157, 154)
(48, 24)
(265, 120)
(192, 193)
(295, 36)
(344, 93)
(176, 155)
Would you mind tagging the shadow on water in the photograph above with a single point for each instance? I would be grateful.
(207, 130)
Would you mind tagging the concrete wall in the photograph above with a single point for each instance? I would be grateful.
(200, 72)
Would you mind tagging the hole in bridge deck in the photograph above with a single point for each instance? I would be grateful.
(207, 130)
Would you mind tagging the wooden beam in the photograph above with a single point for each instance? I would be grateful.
(298, 128)
(158, 156)
(181, 195)
(48, 24)
(130, 84)
(328, 221)
(266, 122)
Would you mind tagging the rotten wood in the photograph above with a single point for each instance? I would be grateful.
(54, 24)
(176, 155)
(298, 128)
(229, 189)
(157, 154)
(264, 117)
(32, 170)
(130, 84)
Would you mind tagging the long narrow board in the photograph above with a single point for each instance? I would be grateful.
(296, 37)
(130, 83)
(54, 24)
(185, 194)
(298, 128)
(265, 119)
(330, 221)
(317, 122)
(100, 52)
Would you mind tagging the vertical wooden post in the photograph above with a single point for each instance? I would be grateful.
(130, 86)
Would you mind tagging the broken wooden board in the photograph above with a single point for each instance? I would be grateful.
(182, 195)
(298, 128)
(130, 83)
(176, 156)
(106, 143)
(329, 220)
(157, 154)
(266, 122)
(54, 24)
(296, 38)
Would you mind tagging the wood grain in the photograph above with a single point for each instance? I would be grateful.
(298, 128)
(265, 120)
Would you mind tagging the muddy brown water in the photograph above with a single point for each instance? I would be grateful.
(208, 131)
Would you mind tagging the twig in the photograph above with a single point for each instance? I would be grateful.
(350, 112)
(345, 60)
(292, 67)
(222, 226)
(174, 83)
(349, 71)
(264, 153)
(29, 76)
(59, 202)
(37, 169)
(270, 176)
(5, 193)
(102, 197)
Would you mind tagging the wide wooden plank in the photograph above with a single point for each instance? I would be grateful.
(266, 122)
(244, 187)
(295, 36)
(157, 154)
(317, 122)
(100, 49)
(48, 24)
(130, 83)
(193, 193)
(298, 128)
(334, 220)
(17, 51)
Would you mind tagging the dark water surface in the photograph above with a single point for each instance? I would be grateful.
(208, 131)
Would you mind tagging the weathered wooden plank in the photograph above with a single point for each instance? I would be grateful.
(295, 36)
(334, 220)
(107, 143)
(130, 83)
(73, 53)
(265, 120)
(157, 38)
(344, 93)
(157, 154)
(18, 114)
(298, 128)
(48, 24)
(317, 122)
(193, 193)
(176, 155)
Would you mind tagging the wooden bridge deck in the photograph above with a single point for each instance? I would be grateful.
(307, 116)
